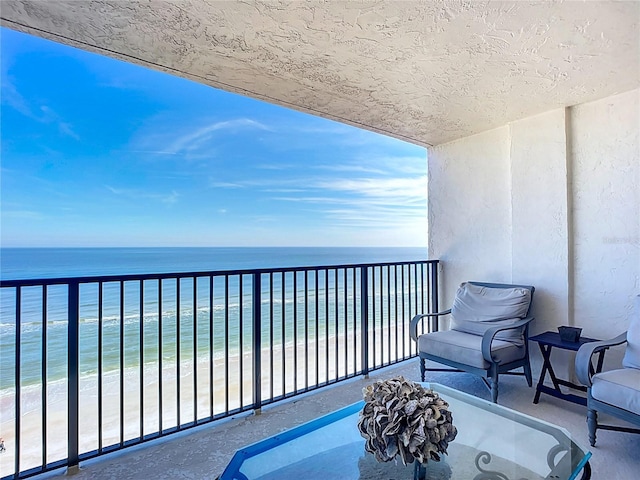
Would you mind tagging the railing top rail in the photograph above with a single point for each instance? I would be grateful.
(177, 275)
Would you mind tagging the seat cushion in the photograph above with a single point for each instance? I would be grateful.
(466, 348)
(476, 309)
(620, 388)
(632, 353)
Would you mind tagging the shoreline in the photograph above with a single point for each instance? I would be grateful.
(224, 399)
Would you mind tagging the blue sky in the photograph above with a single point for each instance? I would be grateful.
(98, 152)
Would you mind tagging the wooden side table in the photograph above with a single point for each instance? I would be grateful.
(547, 341)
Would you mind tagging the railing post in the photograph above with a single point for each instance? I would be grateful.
(434, 295)
(364, 319)
(18, 377)
(257, 341)
(73, 369)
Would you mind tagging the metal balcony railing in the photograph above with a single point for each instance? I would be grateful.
(96, 364)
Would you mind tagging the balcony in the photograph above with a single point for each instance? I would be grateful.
(196, 409)
(129, 359)
(204, 452)
(533, 177)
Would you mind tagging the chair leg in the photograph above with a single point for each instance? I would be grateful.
(494, 387)
(592, 424)
(423, 368)
(527, 373)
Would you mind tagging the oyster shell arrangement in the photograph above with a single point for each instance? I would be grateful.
(402, 418)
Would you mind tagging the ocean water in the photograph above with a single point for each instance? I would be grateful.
(120, 318)
(22, 263)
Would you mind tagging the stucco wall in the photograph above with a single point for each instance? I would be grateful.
(470, 209)
(539, 215)
(606, 185)
(551, 200)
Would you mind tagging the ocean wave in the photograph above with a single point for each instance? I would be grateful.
(31, 394)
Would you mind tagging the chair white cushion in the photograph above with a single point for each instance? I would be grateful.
(467, 349)
(632, 353)
(620, 388)
(476, 309)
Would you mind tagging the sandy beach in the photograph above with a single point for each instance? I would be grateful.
(227, 395)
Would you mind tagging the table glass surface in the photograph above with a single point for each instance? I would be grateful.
(493, 442)
(553, 339)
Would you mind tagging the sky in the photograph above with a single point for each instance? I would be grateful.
(99, 152)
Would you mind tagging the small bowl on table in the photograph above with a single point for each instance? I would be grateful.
(569, 334)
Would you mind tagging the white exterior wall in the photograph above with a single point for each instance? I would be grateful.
(470, 209)
(539, 215)
(552, 201)
(606, 185)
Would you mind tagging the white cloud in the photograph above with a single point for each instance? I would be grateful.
(12, 97)
(393, 190)
(150, 152)
(393, 202)
(284, 190)
(22, 214)
(168, 198)
(380, 165)
(383, 198)
(226, 185)
(44, 114)
(271, 166)
(65, 129)
(350, 168)
(196, 139)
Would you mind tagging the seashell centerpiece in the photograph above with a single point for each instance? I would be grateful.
(402, 418)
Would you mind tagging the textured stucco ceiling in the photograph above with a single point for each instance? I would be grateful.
(426, 72)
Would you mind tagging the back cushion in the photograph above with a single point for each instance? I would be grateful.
(476, 309)
(632, 353)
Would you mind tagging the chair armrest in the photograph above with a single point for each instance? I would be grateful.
(487, 338)
(413, 326)
(587, 350)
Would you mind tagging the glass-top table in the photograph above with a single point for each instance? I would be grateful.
(493, 443)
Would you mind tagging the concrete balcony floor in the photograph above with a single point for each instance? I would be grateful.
(204, 452)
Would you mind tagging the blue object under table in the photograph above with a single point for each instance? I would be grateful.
(547, 341)
(493, 442)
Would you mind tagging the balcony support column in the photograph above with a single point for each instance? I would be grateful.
(73, 385)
